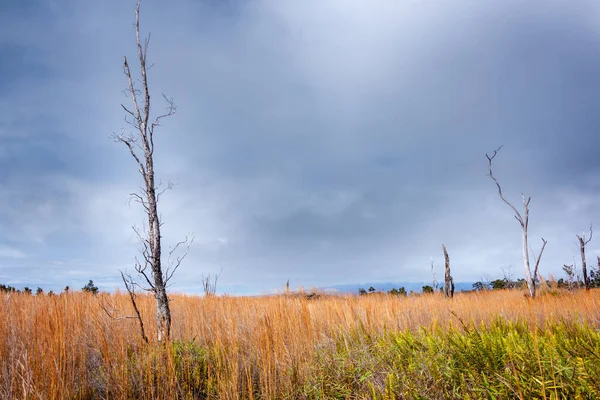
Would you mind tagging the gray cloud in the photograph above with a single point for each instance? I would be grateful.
(326, 142)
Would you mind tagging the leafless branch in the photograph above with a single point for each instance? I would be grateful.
(128, 111)
(130, 286)
(491, 175)
(582, 237)
(111, 311)
(173, 264)
(141, 270)
(171, 109)
(537, 262)
(169, 186)
(130, 141)
(133, 93)
(140, 200)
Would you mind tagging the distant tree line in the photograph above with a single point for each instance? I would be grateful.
(573, 281)
(401, 291)
(397, 292)
(88, 288)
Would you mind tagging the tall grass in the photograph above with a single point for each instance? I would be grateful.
(494, 344)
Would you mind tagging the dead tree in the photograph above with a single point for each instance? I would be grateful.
(140, 144)
(570, 275)
(448, 280)
(523, 220)
(210, 286)
(433, 277)
(582, 243)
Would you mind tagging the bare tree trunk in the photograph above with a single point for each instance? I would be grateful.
(528, 278)
(163, 312)
(586, 280)
(448, 281)
(582, 243)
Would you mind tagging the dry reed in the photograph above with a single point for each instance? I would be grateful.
(66, 346)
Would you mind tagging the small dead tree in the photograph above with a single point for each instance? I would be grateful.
(570, 275)
(507, 275)
(582, 243)
(433, 277)
(523, 220)
(210, 286)
(140, 144)
(448, 280)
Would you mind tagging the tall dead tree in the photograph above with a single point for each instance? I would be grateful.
(582, 243)
(140, 144)
(448, 280)
(530, 278)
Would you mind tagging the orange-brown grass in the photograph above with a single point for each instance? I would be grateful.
(54, 347)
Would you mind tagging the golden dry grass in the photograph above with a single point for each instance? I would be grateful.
(66, 346)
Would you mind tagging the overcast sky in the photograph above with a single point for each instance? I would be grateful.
(324, 141)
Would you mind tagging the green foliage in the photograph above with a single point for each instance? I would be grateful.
(427, 289)
(26, 290)
(90, 287)
(398, 292)
(7, 289)
(594, 278)
(504, 360)
(499, 284)
(191, 368)
(39, 291)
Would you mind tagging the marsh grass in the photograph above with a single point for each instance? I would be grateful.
(494, 344)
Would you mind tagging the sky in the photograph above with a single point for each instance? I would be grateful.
(324, 142)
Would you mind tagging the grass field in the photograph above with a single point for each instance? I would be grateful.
(494, 344)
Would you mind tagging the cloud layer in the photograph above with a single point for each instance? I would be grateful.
(325, 142)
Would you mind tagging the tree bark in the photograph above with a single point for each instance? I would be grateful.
(163, 312)
(448, 280)
(586, 279)
(528, 278)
